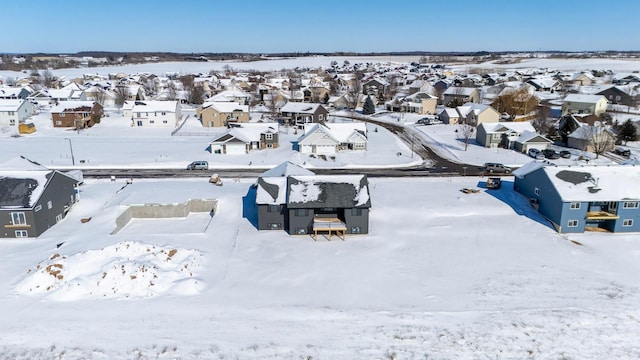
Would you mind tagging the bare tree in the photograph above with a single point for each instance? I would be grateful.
(468, 129)
(100, 95)
(353, 90)
(187, 81)
(172, 91)
(516, 102)
(274, 104)
(541, 122)
(48, 79)
(600, 139)
(122, 95)
(195, 94)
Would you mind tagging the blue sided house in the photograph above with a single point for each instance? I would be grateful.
(583, 198)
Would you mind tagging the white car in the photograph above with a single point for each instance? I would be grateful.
(536, 154)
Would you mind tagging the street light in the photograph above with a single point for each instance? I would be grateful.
(73, 160)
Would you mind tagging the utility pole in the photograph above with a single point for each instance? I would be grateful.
(73, 160)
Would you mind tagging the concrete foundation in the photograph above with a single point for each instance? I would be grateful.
(161, 211)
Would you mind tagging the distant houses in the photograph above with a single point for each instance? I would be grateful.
(154, 113)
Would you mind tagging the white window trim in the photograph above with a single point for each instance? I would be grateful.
(574, 206)
(18, 216)
(627, 222)
(631, 204)
(576, 222)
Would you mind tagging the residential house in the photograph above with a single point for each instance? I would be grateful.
(455, 96)
(156, 113)
(501, 134)
(584, 104)
(376, 87)
(15, 111)
(217, 113)
(548, 84)
(591, 138)
(243, 138)
(299, 114)
(76, 114)
(333, 138)
(473, 113)
(530, 140)
(583, 198)
(417, 103)
(304, 204)
(616, 95)
(237, 96)
(33, 198)
(13, 93)
(449, 116)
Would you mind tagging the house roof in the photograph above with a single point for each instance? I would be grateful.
(11, 104)
(531, 136)
(300, 107)
(583, 98)
(70, 105)
(460, 91)
(595, 183)
(155, 105)
(246, 132)
(332, 191)
(271, 190)
(518, 127)
(225, 106)
(586, 132)
(285, 169)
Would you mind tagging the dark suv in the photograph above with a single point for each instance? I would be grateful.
(550, 154)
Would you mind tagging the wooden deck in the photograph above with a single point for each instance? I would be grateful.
(601, 215)
(329, 225)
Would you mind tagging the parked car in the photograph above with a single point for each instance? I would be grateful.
(565, 154)
(622, 152)
(198, 165)
(550, 154)
(497, 168)
(536, 154)
(428, 121)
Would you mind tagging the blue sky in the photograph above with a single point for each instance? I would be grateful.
(266, 26)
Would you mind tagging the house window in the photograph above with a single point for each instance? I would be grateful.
(273, 208)
(630, 204)
(38, 208)
(574, 206)
(268, 136)
(302, 212)
(356, 212)
(269, 146)
(49, 204)
(151, 122)
(12, 113)
(18, 218)
(12, 122)
(164, 122)
(627, 222)
(22, 233)
(301, 231)
(321, 117)
(359, 146)
(138, 114)
(58, 218)
(536, 191)
(356, 230)
(163, 113)
(274, 226)
(58, 122)
(572, 223)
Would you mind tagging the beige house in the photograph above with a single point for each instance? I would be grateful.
(584, 104)
(221, 113)
(477, 114)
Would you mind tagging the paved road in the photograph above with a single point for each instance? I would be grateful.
(434, 164)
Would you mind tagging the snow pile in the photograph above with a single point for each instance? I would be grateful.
(120, 271)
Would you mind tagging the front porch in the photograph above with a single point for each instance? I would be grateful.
(329, 225)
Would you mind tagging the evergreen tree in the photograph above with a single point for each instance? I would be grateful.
(567, 126)
(627, 132)
(368, 108)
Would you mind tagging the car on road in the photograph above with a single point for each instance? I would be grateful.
(198, 165)
(496, 168)
(550, 154)
(565, 154)
(536, 154)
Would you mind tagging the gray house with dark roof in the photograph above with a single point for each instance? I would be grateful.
(32, 201)
(302, 203)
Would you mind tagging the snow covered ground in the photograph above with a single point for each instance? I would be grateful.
(114, 143)
(452, 275)
(442, 274)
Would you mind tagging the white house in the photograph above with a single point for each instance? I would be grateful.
(15, 111)
(242, 138)
(156, 113)
(332, 138)
(584, 104)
